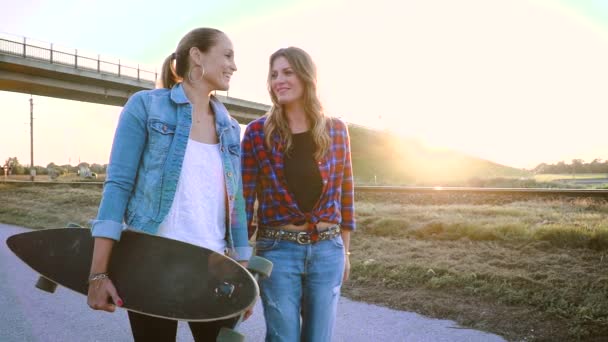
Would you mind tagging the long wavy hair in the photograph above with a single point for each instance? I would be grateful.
(176, 66)
(276, 121)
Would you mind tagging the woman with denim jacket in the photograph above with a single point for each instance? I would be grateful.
(296, 162)
(174, 171)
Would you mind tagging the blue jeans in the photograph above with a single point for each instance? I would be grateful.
(305, 283)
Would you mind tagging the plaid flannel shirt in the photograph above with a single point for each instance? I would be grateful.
(264, 180)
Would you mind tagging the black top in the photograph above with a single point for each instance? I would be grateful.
(302, 172)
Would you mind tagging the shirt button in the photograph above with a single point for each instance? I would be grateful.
(222, 149)
(231, 197)
(229, 174)
(324, 182)
(164, 128)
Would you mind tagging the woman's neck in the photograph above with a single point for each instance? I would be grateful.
(198, 95)
(296, 118)
(203, 119)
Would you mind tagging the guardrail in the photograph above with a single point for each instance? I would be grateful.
(601, 193)
(47, 52)
(47, 183)
(498, 191)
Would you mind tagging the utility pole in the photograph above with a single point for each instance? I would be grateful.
(32, 169)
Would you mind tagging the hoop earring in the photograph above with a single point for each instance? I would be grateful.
(190, 74)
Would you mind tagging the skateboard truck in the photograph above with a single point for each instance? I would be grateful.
(259, 268)
(46, 284)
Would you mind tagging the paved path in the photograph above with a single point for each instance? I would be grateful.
(28, 314)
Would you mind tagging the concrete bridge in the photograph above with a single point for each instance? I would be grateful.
(40, 69)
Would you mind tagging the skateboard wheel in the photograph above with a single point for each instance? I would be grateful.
(46, 285)
(260, 265)
(230, 335)
(73, 225)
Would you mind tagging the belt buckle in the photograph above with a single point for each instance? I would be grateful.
(303, 238)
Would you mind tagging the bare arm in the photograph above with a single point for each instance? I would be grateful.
(346, 240)
(102, 290)
(101, 255)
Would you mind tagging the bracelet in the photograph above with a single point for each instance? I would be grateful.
(98, 276)
(347, 253)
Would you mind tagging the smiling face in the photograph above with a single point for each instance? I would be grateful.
(218, 63)
(285, 83)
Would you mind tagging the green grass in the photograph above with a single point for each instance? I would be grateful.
(527, 270)
(551, 177)
(578, 224)
(45, 207)
(70, 177)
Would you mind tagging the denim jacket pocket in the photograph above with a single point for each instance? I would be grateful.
(235, 149)
(160, 135)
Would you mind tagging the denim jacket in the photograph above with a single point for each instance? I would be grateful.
(146, 161)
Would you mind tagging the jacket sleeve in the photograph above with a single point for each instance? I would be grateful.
(127, 148)
(250, 171)
(348, 189)
(239, 228)
(239, 222)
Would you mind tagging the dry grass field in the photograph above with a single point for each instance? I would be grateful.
(529, 270)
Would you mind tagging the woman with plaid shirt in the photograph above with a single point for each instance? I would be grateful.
(296, 162)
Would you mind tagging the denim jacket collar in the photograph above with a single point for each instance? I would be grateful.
(222, 118)
(178, 95)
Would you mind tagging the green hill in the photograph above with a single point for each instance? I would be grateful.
(384, 159)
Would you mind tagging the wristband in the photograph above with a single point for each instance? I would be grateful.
(98, 276)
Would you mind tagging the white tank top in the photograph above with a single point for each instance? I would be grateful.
(198, 213)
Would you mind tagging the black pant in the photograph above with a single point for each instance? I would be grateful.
(148, 328)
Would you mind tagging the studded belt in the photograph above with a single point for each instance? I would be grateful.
(303, 238)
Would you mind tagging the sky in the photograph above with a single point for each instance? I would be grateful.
(517, 82)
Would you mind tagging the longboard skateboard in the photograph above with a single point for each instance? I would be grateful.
(153, 275)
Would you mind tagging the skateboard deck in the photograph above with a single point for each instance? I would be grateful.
(153, 275)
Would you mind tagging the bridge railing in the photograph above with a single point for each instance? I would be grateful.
(41, 51)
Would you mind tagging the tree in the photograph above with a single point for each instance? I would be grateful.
(541, 168)
(15, 168)
(597, 166)
(40, 170)
(561, 167)
(98, 169)
(577, 166)
(54, 171)
(67, 168)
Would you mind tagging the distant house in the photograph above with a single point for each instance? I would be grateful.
(85, 172)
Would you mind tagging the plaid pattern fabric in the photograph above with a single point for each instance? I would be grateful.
(264, 180)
